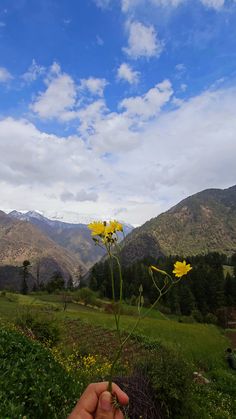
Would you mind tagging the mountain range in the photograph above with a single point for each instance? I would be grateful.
(199, 224)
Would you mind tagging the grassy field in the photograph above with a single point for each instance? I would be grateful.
(203, 345)
(91, 331)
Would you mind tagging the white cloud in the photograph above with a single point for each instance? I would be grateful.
(126, 73)
(113, 132)
(129, 5)
(5, 76)
(214, 4)
(90, 115)
(44, 160)
(79, 196)
(34, 71)
(55, 69)
(180, 67)
(59, 99)
(94, 85)
(117, 165)
(167, 3)
(150, 104)
(183, 87)
(103, 4)
(99, 40)
(143, 41)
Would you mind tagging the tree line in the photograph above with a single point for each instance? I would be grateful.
(209, 286)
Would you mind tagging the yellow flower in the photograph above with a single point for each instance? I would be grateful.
(154, 268)
(97, 228)
(116, 226)
(109, 229)
(181, 268)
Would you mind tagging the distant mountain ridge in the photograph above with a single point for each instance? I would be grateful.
(19, 241)
(75, 238)
(201, 223)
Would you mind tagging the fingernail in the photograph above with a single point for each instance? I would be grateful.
(105, 402)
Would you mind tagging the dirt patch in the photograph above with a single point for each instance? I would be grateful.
(100, 341)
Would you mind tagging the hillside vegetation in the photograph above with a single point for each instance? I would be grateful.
(202, 223)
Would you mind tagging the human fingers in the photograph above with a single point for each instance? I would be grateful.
(118, 415)
(90, 397)
(88, 402)
(105, 409)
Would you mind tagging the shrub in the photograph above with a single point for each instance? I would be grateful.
(171, 377)
(32, 383)
(211, 318)
(197, 315)
(86, 295)
(38, 325)
(142, 401)
(12, 298)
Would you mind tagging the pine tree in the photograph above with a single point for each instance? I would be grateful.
(25, 274)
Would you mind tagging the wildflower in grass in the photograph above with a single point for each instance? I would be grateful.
(181, 269)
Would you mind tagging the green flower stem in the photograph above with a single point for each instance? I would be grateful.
(117, 317)
(113, 291)
(118, 354)
(119, 351)
(121, 287)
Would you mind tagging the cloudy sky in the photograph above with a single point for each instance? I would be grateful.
(115, 108)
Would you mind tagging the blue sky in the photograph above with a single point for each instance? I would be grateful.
(115, 108)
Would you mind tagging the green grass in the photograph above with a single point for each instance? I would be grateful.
(202, 345)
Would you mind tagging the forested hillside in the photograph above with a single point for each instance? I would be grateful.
(209, 286)
(202, 223)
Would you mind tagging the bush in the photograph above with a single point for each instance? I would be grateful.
(12, 298)
(197, 315)
(86, 295)
(171, 378)
(211, 318)
(32, 383)
(38, 325)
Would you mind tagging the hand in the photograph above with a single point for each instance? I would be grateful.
(96, 403)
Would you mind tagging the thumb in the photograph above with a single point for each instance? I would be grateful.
(105, 410)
